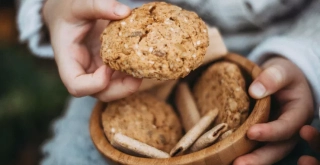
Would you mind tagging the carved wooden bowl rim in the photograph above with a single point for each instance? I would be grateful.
(222, 152)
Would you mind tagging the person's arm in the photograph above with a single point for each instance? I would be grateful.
(236, 15)
(301, 45)
(291, 74)
(31, 27)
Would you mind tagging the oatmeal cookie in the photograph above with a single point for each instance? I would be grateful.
(143, 118)
(157, 40)
(222, 86)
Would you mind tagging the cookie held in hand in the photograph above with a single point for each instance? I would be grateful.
(158, 40)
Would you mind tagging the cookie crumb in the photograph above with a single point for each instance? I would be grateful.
(136, 34)
(136, 46)
(113, 130)
(139, 53)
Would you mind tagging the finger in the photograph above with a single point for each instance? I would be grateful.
(92, 39)
(312, 136)
(99, 9)
(119, 88)
(81, 84)
(273, 78)
(268, 154)
(72, 64)
(308, 160)
(289, 122)
(119, 75)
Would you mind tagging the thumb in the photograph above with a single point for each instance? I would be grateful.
(99, 9)
(278, 74)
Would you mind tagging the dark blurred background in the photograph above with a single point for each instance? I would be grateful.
(31, 95)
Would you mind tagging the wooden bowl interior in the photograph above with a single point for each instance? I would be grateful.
(222, 152)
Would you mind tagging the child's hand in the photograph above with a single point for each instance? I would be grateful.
(74, 32)
(292, 92)
(312, 136)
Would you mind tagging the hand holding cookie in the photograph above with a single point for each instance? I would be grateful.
(74, 29)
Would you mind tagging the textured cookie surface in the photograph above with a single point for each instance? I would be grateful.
(144, 118)
(222, 86)
(158, 40)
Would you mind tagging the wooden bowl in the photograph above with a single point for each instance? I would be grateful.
(222, 152)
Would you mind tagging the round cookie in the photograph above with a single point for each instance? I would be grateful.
(144, 118)
(158, 40)
(222, 86)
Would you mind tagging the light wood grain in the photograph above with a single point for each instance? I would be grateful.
(221, 153)
(217, 49)
(163, 90)
(149, 83)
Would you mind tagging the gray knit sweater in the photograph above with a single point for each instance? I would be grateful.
(257, 29)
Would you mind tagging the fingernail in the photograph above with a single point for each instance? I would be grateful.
(254, 134)
(121, 9)
(258, 89)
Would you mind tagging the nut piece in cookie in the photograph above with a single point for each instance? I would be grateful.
(144, 118)
(222, 86)
(158, 40)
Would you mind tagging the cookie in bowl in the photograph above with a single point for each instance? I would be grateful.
(144, 118)
(223, 86)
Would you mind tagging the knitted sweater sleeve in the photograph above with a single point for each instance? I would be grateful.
(237, 15)
(300, 44)
(31, 28)
(229, 15)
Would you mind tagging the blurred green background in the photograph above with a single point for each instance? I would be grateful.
(31, 95)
